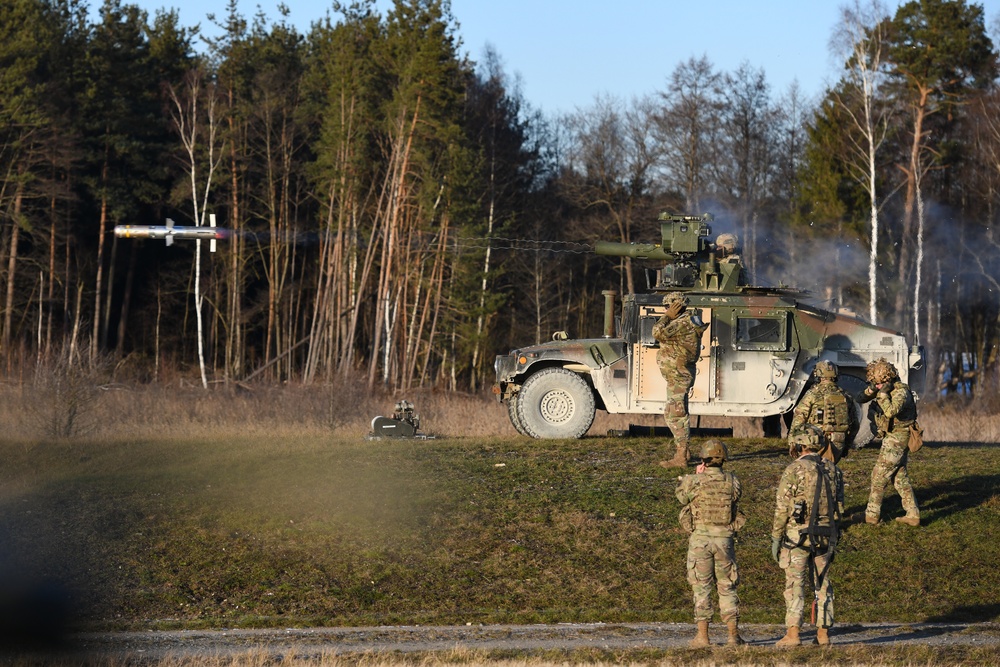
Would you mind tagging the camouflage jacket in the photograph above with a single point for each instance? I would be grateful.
(679, 339)
(806, 410)
(713, 495)
(798, 484)
(893, 411)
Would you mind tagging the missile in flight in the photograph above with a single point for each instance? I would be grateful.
(170, 231)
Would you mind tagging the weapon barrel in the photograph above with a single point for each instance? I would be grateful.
(634, 250)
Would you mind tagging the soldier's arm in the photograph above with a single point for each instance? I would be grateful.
(737, 489)
(892, 402)
(685, 490)
(801, 413)
(660, 326)
(783, 504)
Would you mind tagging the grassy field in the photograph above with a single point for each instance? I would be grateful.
(141, 526)
(254, 532)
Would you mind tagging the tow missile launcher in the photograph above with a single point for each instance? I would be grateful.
(757, 354)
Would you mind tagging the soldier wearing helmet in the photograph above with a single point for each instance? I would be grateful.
(678, 333)
(804, 532)
(828, 407)
(709, 512)
(893, 411)
(726, 246)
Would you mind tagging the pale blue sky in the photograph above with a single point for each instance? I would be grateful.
(567, 52)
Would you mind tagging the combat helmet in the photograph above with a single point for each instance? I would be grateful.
(727, 242)
(671, 297)
(881, 371)
(714, 449)
(810, 438)
(826, 369)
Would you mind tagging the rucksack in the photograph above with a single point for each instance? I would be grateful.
(836, 416)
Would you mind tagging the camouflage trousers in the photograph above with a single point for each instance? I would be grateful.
(891, 467)
(795, 563)
(711, 563)
(675, 411)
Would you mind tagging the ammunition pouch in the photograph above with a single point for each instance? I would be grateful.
(686, 519)
(916, 440)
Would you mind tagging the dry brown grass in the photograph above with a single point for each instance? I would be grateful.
(28, 410)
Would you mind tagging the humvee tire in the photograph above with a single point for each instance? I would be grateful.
(555, 403)
(515, 420)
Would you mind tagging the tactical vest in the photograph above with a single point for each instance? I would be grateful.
(832, 414)
(713, 506)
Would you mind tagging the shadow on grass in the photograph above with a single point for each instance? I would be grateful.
(891, 634)
(938, 501)
(976, 613)
(948, 498)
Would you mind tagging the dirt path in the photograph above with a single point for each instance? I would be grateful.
(304, 642)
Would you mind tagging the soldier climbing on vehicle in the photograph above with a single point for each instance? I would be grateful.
(678, 333)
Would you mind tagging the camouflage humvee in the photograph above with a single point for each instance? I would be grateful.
(756, 359)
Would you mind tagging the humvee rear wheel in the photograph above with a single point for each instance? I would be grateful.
(555, 403)
(515, 420)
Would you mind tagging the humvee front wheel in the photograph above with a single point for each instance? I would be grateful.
(555, 403)
(515, 420)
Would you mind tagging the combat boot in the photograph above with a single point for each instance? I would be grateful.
(791, 638)
(909, 520)
(734, 634)
(701, 639)
(681, 456)
(823, 636)
(861, 517)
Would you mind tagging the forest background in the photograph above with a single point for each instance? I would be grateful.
(399, 214)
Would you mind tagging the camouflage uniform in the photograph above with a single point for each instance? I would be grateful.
(680, 346)
(893, 412)
(711, 557)
(807, 412)
(798, 484)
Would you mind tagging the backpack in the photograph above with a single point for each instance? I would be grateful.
(836, 413)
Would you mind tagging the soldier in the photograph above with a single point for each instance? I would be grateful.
(679, 334)
(893, 411)
(827, 407)
(725, 248)
(804, 533)
(709, 513)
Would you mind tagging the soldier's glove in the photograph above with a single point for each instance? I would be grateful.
(775, 548)
(675, 309)
(871, 389)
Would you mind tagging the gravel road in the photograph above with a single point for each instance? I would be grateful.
(315, 641)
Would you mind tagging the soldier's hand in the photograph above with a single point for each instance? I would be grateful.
(775, 548)
(871, 389)
(675, 309)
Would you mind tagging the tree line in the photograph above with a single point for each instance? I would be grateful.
(398, 213)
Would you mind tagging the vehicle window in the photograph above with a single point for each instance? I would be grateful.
(761, 333)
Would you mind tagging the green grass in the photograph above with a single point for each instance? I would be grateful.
(319, 531)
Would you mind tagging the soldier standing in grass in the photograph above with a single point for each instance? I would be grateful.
(710, 514)
(893, 411)
(804, 533)
(679, 334)
(827, 407)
